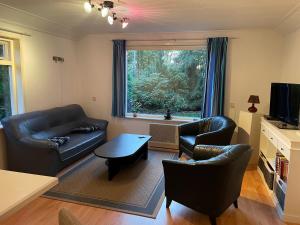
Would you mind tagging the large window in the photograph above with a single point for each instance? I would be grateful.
(163, 79)
(9, 96)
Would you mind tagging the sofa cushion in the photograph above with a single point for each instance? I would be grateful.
(188, 141)
(59, 141)
(79, 143)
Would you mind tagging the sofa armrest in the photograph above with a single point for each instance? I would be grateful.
(98, 122)
(37, 143)
(189, 128)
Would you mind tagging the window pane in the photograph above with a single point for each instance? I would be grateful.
(4, 50)
(158, 80)
(5, 94)
(1, 51)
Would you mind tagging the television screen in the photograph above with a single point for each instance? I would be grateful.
(285, 102)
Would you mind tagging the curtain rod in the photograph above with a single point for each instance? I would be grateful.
(15, 32)
(186, 39)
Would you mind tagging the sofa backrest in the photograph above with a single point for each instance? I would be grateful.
(31, 123)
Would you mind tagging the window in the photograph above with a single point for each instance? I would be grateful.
(8, 78)
(166, 78)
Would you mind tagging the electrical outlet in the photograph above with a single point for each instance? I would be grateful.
(94, 99)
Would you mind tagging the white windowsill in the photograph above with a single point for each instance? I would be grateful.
(160, 118)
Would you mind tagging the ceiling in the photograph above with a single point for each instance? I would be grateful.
(67, 17)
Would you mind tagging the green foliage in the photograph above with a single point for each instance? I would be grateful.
(5, 101)
(161, 79)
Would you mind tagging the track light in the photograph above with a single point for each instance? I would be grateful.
(88, 6)
(104, 11)
(124, 23)
(111, 19)
(104, 8)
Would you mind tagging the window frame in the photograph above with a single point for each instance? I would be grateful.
(11, 62)
(161, 45)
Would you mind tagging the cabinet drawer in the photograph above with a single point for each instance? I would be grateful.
(284, 150)
(264, 130)
(272, 138)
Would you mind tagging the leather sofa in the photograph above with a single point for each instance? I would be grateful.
(216, 130)
(209, 183)
(30, 151)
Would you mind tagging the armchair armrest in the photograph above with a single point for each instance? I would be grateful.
(189, 128)
(98, 122)
(202, 178)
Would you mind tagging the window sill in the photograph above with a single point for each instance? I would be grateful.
(174, 119)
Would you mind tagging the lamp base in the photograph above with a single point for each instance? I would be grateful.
(252, 109)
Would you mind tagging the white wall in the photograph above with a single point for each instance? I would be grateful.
(291, 58)
(45, 84)
(253, 63)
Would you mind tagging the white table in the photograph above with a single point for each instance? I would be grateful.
(18, 189)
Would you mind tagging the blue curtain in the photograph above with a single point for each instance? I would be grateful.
(119, 78)
(213, 102)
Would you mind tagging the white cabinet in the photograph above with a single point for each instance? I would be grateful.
(280, 151)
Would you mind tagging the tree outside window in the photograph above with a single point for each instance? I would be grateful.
(158, 80)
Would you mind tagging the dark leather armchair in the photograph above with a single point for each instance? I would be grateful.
(30, 151)
(210, 183)
(216, 130)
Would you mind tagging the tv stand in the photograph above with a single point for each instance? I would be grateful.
(283, 125)
(281, 147)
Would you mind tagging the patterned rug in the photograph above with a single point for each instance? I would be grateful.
(137, 189)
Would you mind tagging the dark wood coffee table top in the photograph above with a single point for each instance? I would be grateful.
(122, 146)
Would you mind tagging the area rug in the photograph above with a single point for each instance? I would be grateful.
(137, 189)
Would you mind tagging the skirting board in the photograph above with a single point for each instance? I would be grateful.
(164, 149)
(290, 218)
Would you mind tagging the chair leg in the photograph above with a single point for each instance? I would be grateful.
(235, 203)
(168, 202)
(213, 220)
(179, 154)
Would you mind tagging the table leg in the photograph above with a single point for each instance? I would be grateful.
(145, 152)
(113, 168)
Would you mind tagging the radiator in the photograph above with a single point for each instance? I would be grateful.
(164, 136)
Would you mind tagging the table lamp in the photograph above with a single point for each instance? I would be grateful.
(254, 99)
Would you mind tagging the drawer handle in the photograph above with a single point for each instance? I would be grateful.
(271, 138)
(282, 149)
(263, 130)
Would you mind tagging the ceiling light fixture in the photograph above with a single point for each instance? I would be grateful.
(105, 8)
(88, 6)
(104, 11)
(111, 19)
(124, 22)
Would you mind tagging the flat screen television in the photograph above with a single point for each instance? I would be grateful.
(285, 102)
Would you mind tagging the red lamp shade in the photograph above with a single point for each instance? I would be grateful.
(254, 99)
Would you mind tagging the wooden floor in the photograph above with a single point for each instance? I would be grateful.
(255, 208)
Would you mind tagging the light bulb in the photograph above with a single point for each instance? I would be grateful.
(87, 7)
(124, 24)
(110, 20)
(104, 11)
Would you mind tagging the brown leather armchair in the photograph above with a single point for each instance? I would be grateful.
(216, 130)
(210, 183)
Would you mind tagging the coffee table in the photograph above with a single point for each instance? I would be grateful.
(122, 150)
